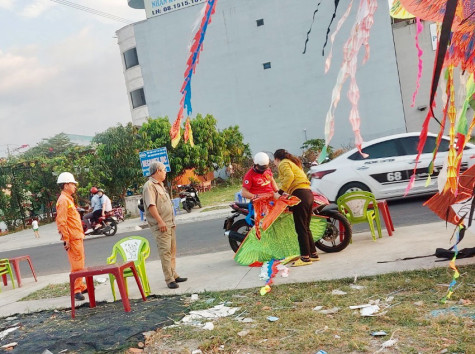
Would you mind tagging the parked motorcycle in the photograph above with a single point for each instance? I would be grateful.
(335, 237)
(189, 197)
(108, 224)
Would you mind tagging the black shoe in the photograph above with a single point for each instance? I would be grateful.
(79, 297)
(180, 279)
(84, 291)
(173, 285)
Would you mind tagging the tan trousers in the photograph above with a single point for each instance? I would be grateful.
(166, 243)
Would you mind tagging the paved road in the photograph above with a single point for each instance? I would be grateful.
(193, 238)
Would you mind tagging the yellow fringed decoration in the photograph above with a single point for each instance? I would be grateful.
(452, 177)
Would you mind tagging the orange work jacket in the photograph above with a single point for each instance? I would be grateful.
(68, 219)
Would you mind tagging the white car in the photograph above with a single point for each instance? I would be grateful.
(387, 169)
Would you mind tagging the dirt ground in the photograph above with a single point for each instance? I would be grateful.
(103, 329)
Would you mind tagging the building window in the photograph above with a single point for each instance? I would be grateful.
(260, 22)
(138, 98)
(266, 65)
(130, 58)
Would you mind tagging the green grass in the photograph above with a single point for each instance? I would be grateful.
(302, 330)
(50, 291)
(220, 194)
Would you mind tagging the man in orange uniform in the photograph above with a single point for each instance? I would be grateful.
(70, 228)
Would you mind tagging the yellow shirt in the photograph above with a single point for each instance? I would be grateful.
(292, 177)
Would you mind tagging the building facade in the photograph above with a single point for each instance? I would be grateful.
(253, 72)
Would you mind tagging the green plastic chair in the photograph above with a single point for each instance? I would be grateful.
(6, 268)
(133, 248)
(360, 207)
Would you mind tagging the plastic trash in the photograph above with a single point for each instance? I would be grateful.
(321, 352)
(369, 311)
(338, 292)
(243, 333)
(317, 308)
(194, 297)
(379, 334)
(272, 318)
(209, 326)
(330, 311)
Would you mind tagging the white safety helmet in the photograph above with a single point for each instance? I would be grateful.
(261, 160)
(66, 177)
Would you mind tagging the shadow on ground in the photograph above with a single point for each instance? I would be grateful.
(104, 329)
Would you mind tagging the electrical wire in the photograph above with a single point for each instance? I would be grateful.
(93, 11)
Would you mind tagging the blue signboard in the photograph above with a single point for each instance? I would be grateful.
(147, 157)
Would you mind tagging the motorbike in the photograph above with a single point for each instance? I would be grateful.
(189, 197)
(118, 213)
(108, 224)
(335, 237)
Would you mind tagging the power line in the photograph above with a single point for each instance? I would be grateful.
(93, 11)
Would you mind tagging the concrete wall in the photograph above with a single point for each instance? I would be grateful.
(282, 106)
(131, 205)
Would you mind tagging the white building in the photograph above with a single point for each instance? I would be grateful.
(253, 73)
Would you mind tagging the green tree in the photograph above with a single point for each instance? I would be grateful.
(236, 152)
(117, 156)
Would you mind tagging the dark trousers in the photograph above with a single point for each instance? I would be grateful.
(302, 215)
(96, 215)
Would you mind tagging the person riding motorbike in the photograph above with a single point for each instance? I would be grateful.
(106, 205)
(259, 179)
(95, 205)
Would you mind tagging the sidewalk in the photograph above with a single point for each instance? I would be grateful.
(49, 233)
(218, 271)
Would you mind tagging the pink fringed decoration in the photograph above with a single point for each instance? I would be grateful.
(359, 37)
(332, 38)
(419, 56)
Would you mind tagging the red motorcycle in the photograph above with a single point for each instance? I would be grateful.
(107, 224)
(335, 237)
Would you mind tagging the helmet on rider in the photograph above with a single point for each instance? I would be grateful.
(66, 177)
(261, 162)
(100, 190)
(94, 190)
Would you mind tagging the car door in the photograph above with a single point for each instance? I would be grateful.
(422, 172)
(385, 169)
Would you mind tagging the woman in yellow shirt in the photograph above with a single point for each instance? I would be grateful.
(295, 182)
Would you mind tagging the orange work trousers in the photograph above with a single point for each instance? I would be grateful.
(77, 259)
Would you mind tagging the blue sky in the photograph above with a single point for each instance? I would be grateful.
(60, 70)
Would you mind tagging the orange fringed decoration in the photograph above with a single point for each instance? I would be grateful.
(452, 170)
(175, 129)
(188, 135)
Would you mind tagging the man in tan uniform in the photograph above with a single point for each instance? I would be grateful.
(161, 218)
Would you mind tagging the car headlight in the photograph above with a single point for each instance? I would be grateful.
(320, 174)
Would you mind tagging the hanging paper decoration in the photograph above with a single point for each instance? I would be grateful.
(310, 29)
(328, 28)
(419, 57)
(448, 19)
(188, 135)
(332, 37)
(452, 266)
(271, 272)
(359, 37)
(193, 59)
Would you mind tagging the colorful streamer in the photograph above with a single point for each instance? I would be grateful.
(195, 49)
(359, 37)
(452, 266)
(419, 56)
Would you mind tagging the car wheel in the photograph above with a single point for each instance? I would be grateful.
(352, 187)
